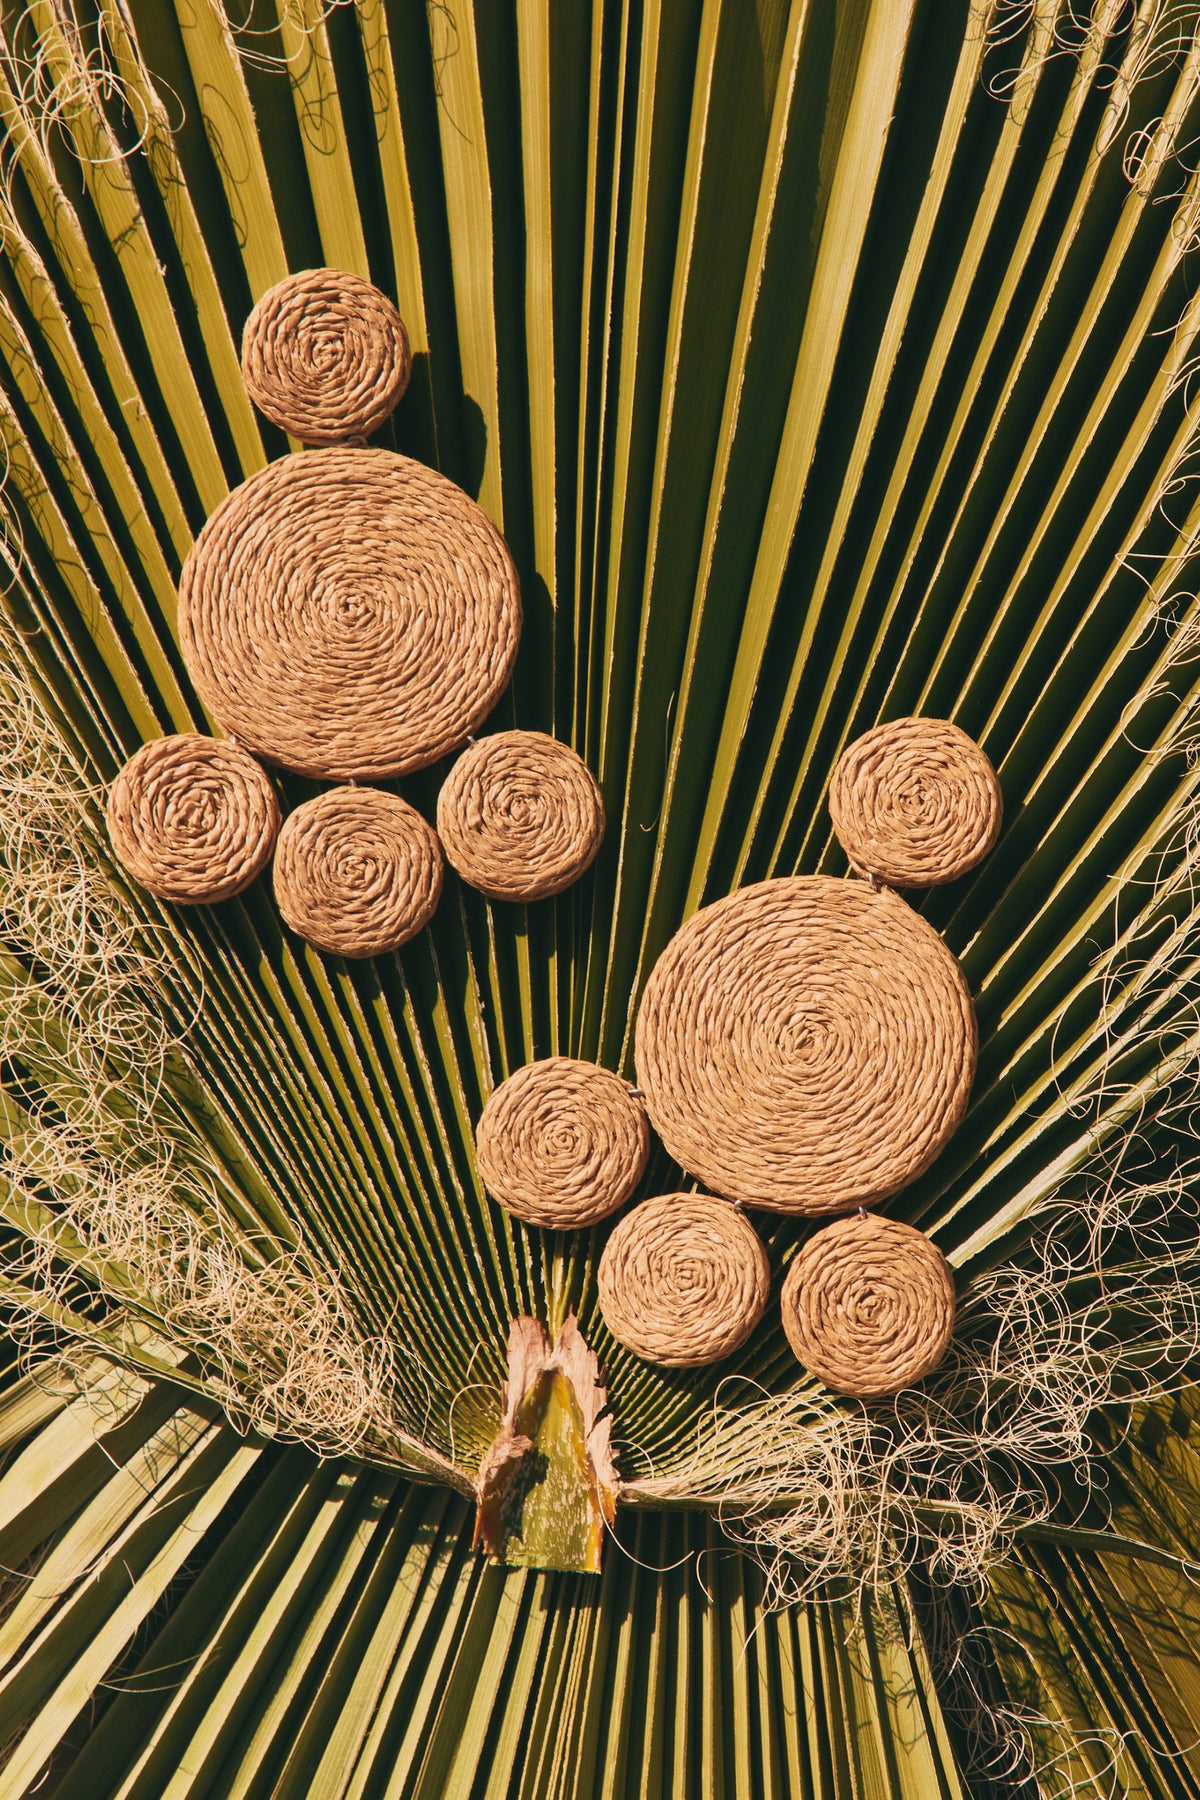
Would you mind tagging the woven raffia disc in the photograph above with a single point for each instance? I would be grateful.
(192, 818)
(520, 816)
(915, 802)
(357, 872)
(562, 1143)
(868, 1306)
(806, 1045)
(325, 356)
(683, 1280)
(349, 614)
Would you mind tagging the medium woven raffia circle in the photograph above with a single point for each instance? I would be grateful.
(915, 802)
(806, 1045)
(357, 872)
(562, 1143)
(192, 818)
(868, 1306)
(325, 356)
(349, 614)
(683, 1280)
(520, 816)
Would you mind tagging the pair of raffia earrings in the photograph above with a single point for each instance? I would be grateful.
(350, 615)
(804, 1046)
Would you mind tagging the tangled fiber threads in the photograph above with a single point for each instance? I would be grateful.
(520, 816)
(325, 356)
(357, 872)
(806, 1045)
(868, 1306)
(562, 1143)
(192, 818)
(683, 1280)
(915, 802)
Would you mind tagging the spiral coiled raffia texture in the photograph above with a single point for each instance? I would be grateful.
(868, 1306)
(349, 614)
(325, 356)
(806, 1045)
(562, 1143)
(683, 1280)
(915, 802)
(357, 872)
(192, 818)
(520, 816)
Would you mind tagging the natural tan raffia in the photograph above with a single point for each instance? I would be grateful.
(562, 1143)
(192, 818)
(683, 1280)
(325, 356)
(806, 1045)
(357, 871)
(349, 614)
(520, 816)
(915, 802)
(868, 1306)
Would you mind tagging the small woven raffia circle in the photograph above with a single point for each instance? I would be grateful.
(325, 356)
(562, 1143)
(806, 1045)
(683, 1280)
(520, 816)
(915, 802)
(193, 819)
(349, 614)
(357, 872)
(868, 1306)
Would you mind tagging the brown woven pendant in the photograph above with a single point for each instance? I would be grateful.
(357, 872)
(520, 816)
(868, 1306)
(193, 819)
(349, 614)
(915, 802)
(806, 1045)
(325, 356)
(683, 1280)
(562, 1143)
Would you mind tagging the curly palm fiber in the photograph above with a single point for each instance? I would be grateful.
(520, 816)
(349, 614)
(562, 1143)
(192, 818)
(806, 1045)
(683, 1280)
(357, 872)
(325, 356)
(915, 802)
(868, 1306)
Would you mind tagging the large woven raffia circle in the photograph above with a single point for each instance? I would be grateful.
(683, 1280)
(915, 802)
(868, 1306)
(520, 816)
(562, 1143)
(806, 1045)
(357, 872)
(349, 614)
(192, 818)
(325, 356)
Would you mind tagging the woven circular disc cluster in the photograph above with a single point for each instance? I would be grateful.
(520, 816)
(562, 1143)
(192, 818)
(357, 872)
(683, 1280)
(915, 802)
(349, 614)
(325, 356)
(806, 1045)
(868, 1306)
